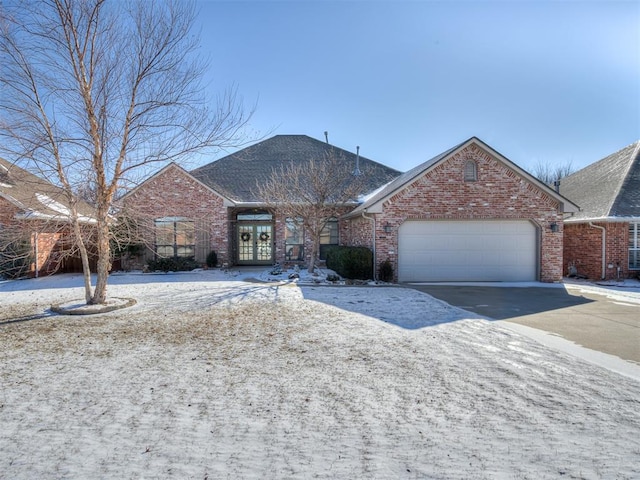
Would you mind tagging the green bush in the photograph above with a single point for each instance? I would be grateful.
(171, 264)
(351, 262)
(385, 273)
(212, 259)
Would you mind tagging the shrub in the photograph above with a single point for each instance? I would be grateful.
(212, 259)
(351, 262)
(15, 260)
(173, 264)
(385, 273)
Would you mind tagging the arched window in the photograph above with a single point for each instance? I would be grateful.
(470, 171)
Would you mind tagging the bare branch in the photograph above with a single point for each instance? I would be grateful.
(312, 192)
(549, 173)
(96, 93)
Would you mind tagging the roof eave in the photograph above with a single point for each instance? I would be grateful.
(35, 215)
(601, 219)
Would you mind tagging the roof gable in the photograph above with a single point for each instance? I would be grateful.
(608, 188)
(35, 197)
(374, 204)
(237, 175)
(180, 171)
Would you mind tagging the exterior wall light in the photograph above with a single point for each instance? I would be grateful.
(387, 228)
(554, 227)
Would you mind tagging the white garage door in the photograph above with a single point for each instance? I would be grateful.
(482, 250)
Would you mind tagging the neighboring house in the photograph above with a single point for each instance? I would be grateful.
(34, 216)
(467, 214)
(602, 241)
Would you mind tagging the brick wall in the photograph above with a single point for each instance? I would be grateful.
(498, 193)
(7, 212)
(583, 249)
(47, 260)
(46, 240)
(174, 193)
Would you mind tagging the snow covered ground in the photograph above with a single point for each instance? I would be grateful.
(212, 375)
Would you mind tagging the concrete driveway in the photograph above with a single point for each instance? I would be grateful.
(594, 318)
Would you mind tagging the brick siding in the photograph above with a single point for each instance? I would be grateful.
(7, 212)
(174, 193)
(48, 241)
(498, 193)
(583, 249)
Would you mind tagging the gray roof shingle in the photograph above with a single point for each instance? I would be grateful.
(608, 188)
(400, 181)
(236, 176)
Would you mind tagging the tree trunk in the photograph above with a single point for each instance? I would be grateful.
(104, 262)
(314, 254)
(84, 256)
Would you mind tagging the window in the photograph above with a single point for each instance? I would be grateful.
(255, 217)
(634, 246)
(175, 237)
(294, 239)
(328, 237)
(470, 171)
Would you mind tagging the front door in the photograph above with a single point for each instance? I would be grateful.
(255, 244)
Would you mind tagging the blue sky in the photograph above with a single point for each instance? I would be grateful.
(540, 81)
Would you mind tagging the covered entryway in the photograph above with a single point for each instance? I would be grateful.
(254, 238)
(467, 250)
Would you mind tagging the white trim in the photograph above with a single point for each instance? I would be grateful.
(33, 215)
(602, 220)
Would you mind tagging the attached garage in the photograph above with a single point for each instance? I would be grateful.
(468, 250)
(467, 214)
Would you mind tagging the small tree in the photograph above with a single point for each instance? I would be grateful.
(549, 174)
(312, 192)
(96, 92)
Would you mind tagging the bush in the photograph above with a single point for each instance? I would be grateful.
(212, 259)
(385, 273)
(171, 264)
(15, 260)
(351, 262)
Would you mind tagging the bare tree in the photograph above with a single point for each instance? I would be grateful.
(312, 192)
(98, 91)
(549, 173)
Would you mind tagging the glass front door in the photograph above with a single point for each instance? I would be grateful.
(255, 244)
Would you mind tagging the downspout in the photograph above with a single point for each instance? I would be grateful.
(35, 241)
(373, 240)
(604, 248)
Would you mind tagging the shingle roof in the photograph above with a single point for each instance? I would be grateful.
(236, 176)
(35, 197)
(400, 181)
(608, 188)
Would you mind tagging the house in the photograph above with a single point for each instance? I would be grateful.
(35, 224)
(466, 214)
(215, 207)
(602, 240)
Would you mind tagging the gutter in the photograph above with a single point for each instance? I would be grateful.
(604, 247)
(373, 240)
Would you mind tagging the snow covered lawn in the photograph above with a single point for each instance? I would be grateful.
(209, 377)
